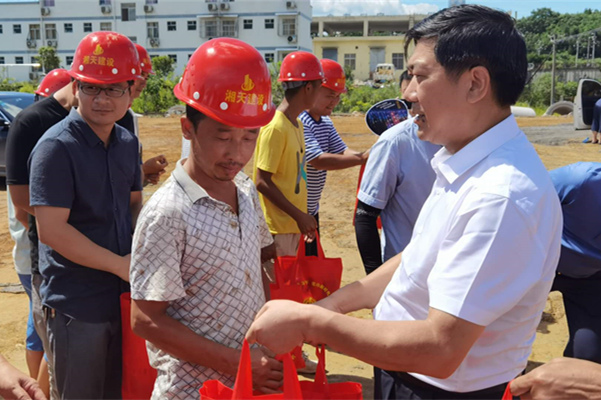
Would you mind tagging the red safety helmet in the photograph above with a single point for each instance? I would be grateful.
(228, 80)
(105, 57)
(145, 62)
(300, 66)
(334, 76)
(53, 81)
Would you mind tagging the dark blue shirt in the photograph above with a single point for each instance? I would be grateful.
(71, 168)
(596, 125)
(579, 188)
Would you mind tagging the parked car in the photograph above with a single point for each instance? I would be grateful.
(384, 73)
(11, 103)
(589, 91)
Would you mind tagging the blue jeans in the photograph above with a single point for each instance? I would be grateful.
(33, 341)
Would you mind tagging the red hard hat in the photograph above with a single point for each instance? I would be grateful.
(53, 81)
(145, 62)
(105, 57)
(300, 66)
(334, 76)
(228, 80)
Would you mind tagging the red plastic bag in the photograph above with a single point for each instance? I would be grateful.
(321, 389)
(243, 388)
(137, 376)
(292, 390)
(507, 395)
(306, 279)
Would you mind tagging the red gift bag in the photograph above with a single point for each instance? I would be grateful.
(321, 389)
(243, 388)
(137, 376)
(507, 395)
(306, 279)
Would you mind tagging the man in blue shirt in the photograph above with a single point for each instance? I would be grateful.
(85, 188)
(579, 271)
(397, 180)
(596, 124)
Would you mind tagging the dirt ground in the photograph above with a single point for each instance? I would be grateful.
(162, 136)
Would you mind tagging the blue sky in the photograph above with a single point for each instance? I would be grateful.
(392, 7)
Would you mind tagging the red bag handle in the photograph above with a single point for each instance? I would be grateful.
(243, 388)
(321, 380)
(507, 395)
(301, 247)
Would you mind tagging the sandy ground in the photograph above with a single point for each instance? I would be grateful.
(560, 146)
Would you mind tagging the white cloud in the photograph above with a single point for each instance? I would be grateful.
(369, 7)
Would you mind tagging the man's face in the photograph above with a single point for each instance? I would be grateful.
(327, 100)
(219, 151)
(104, 108)
(139, 85)
(312, 92)
(439, 102)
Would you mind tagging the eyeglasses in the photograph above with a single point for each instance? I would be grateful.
(109, 91)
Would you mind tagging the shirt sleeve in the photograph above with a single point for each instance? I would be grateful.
(271, 147)
(19, 144)
(312, 146)
(158, 248)
(487, 263)
(264, 234)
(382, 174)
(51, 175)
(335, 142)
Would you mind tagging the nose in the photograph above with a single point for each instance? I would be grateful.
(410, 93)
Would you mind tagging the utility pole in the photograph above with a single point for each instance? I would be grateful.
(594, 42)
(577, 45)
(553, 41)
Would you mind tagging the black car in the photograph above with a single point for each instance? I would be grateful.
(11, 103)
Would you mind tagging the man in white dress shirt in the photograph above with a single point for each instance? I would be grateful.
(457, 318)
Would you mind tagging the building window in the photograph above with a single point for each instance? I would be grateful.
(1, 59)
(211, 28)
(189, 56)
(106, 26)
(18, 60)
(1, 30)
(34, 60)
(48, 3)
(152, 29)
(68, 28)
(269, 23)
(171, 26)
(17, 28)
(398, 60)
(191, 25)
(349, 60)
(269, 57)
(69, 60)
(104, 2)
(248, 24)
(228, 28)
(134, 39)
(288, 26)
(128, 12)
(173, 58)
(87, 27)
(50, 31)
(35, 32)
(152, 1)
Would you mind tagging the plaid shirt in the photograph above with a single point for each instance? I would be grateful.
(197, 254)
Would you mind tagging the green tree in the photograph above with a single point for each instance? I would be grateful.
(163, 66)
(48, 58)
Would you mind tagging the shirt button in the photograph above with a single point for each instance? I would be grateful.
(234, 224)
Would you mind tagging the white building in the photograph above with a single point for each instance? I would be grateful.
(174, 28)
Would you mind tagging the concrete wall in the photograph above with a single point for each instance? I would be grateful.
(180, 42)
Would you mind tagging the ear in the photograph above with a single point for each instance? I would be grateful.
(187, 128)
(479, 84)
(74, 88)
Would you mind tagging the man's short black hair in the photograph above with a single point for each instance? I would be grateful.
(470, 35)
(405, 76)
(292, 92)
(194, 116)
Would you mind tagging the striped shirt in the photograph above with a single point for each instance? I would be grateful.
(320, 137)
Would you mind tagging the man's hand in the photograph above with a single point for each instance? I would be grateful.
(122, 269)
(279, 326)
(365, 156)
(559, 379)
(268, 253)
(16, 385)
(267, 372)
(153, 168)
(307, 225)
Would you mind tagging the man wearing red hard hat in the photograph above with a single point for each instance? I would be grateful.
(85, 188)
(196, 275)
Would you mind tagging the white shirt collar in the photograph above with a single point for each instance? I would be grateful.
(192, 189)
(452, 166)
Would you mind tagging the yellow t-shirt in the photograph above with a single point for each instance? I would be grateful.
(281, 151)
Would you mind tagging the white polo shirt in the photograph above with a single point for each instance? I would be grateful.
(484, 249)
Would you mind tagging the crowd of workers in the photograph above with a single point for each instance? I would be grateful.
(475, 234)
